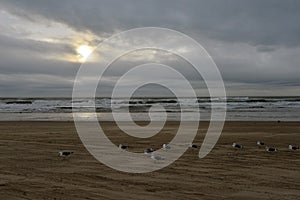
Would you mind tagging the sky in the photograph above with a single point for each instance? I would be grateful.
(255, 44)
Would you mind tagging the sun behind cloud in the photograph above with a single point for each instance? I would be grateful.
(83, 52)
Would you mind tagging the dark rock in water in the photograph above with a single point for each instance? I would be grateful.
(19, 102)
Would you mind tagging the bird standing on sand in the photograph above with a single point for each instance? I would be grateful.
(194, 146)
(65, 153)
(260, 143)
(237, 146)
(291, 147)
(166, 147)
(271, 149)
(123, 147)
(148, 151)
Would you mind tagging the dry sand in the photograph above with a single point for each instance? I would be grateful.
(31, 169)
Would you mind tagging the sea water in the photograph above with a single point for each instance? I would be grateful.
(62, 109)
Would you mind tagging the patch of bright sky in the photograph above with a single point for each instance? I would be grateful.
(47, 31)
(44, 30)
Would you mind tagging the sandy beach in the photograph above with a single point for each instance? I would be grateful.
(30, 167)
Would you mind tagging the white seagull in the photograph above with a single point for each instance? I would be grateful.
(65, 153)
(271, 149)
(148, 151)
(291, 147)
(237, 146)
(194, 146)
(123, 147)
(166, 147)
(260, 143)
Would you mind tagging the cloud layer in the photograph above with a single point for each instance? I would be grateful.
(256, 44)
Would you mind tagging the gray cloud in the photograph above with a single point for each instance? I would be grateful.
(255, 43)
(28, 57)
(270, 22)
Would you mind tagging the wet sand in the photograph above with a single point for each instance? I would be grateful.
(30, 167)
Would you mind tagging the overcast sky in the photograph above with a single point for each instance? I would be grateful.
(255, 43)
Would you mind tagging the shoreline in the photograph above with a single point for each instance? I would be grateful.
(68, 117)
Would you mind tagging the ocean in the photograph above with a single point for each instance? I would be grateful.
(238, 108)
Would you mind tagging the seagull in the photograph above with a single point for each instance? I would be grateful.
(260, 143)
(166, 147)
(65, 153)
(271, 149)
(148, 151)
(156, 157)
(237, 146)
(291, 147)
(194, 146)
(123, 147)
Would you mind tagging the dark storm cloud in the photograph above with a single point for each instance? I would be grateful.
(268, 22)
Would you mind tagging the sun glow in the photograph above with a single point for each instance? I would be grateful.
(83, 52)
